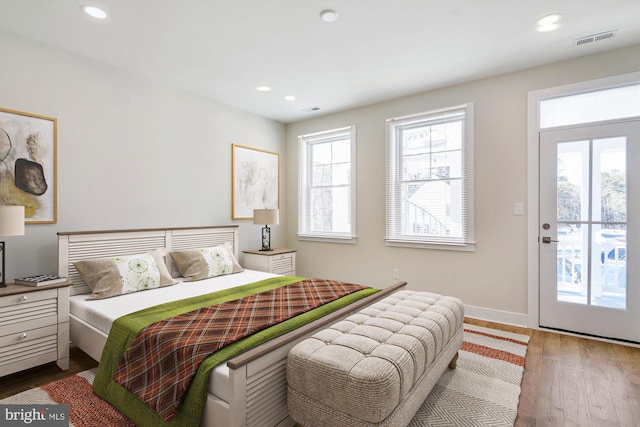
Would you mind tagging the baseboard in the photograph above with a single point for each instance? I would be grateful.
(499, 316)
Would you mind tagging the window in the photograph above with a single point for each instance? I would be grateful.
(327, 191)
(430, 180)
(590, 106)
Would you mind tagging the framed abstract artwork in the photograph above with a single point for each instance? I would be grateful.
(28, 164)
(255, 180)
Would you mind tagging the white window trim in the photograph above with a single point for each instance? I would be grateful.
(303, 162)
(437, 244)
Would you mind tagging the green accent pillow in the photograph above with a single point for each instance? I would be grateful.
(113, 276)
(202, 263)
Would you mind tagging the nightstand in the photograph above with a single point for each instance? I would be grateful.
(34, 326)
(277, 261)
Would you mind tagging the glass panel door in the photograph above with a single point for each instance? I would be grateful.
(588, 205)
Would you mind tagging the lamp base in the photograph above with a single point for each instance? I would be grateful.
(2, 275)
(266, 239)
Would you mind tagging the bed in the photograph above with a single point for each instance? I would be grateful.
(247, 390)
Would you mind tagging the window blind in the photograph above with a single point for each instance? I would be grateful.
(326, 184)
(429, 178)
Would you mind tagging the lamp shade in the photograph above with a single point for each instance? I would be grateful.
(266, 216)
(11, 220)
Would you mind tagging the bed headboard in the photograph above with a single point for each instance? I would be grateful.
(74, 246)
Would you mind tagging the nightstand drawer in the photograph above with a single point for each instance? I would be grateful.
(28, 348)
(27, 298)
(26, 337)
(32, 313)
(282, 264)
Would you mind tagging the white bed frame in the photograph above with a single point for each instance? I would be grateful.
(257, 378)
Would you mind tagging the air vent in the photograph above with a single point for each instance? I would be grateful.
(595, 37)
(310, 109)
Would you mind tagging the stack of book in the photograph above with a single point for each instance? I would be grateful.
(41, 280)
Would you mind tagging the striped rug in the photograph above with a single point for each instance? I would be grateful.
(482, 391)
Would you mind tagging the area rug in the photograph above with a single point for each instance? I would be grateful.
(482, 391)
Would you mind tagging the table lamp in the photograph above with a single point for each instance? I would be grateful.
(266, 217)
(11, 224)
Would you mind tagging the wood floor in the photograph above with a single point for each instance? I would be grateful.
(571, 381)
(568, 381)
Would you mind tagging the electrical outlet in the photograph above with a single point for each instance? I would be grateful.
(396, 273)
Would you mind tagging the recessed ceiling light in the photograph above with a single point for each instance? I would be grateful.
(329, 15)
(547, 28)
(263, 89)
(289, 98)
(549, 22)
(95, 12)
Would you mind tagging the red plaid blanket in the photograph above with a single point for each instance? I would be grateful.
(159, 364)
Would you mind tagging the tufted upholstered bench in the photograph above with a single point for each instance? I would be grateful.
(376, 367)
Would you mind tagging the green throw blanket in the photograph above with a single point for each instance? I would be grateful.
(189, 412)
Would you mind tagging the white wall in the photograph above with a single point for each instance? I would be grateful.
(132, 153)
(495, 275)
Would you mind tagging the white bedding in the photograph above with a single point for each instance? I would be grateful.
(101, 313)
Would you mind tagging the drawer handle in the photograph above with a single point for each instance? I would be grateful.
(23, 335)
(23, 298)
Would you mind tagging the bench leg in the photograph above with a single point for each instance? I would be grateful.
(454, 362)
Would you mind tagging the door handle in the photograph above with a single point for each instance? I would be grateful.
(548, 240)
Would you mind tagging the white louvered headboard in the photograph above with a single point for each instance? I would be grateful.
(75, 246)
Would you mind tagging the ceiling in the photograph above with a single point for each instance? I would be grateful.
(375, 51)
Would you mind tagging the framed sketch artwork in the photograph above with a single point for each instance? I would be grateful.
(255, 179)
(28, 164)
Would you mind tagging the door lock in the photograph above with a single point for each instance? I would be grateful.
(548, 240)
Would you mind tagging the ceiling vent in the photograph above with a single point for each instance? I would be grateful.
(310, 109)
(595, 37)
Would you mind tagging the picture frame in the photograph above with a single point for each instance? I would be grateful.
(28, 164)
(255, 180)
